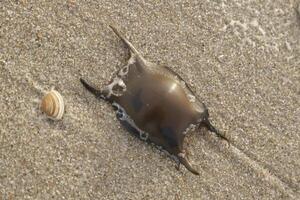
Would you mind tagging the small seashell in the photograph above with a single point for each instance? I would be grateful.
(53, 105)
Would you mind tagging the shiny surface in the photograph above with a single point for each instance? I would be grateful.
(163, 103)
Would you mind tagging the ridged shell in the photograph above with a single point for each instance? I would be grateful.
(53, 105)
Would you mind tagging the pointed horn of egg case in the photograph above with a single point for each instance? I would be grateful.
(214, 130)
(122, 37)
(98, 93)
(136, 53)
(183, 160)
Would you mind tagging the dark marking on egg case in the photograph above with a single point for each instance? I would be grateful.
(154, 103)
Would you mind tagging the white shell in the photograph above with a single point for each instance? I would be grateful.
(52, 105)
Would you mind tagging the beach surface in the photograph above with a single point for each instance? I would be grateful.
(241, 57)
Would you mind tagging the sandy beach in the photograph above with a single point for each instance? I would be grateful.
(241, 57)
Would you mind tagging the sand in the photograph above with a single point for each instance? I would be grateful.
(241, 57)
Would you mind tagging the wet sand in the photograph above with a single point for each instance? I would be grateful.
(242, 58)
